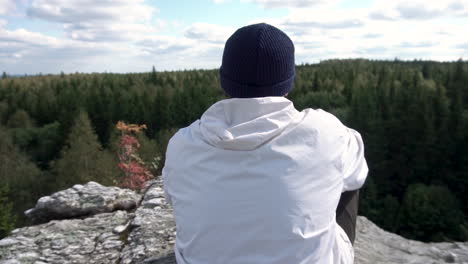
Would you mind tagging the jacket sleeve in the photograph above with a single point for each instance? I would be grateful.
(165, 177)
(166, 172)
(350, 157)
(353, 161)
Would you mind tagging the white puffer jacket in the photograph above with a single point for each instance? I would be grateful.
(255, 181)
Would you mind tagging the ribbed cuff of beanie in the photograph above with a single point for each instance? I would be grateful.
(238, 90)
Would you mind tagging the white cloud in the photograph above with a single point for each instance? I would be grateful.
(208, 32)
(418, 9)
(22, 36)
(418, 44)
(463, 47)
(406, 40)
(23, 51)
(7, 6)
(292, 3)
(325, 24)
(110, 31)
(326, 32)
(164, 45)
(71, 11)
(172, 53)
(322, 23)
(125, 36)
(372, 35)
(97, 20)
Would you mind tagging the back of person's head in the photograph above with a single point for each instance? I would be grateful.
(258, 61)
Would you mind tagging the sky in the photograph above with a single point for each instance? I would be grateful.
(51, 36)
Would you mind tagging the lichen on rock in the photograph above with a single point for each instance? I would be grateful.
(82, 200)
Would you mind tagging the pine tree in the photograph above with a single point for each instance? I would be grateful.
(46, 107)
(455, 91)
(82, 159)
(154, 77)
(3, 112)
(457, 179)
(390, 207)
(23, 178)
(160, 112)
(20, 119)
(4, 75)
(7, 219)
(430, 213)
(369, 201)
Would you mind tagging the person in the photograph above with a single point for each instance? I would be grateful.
(255, 181)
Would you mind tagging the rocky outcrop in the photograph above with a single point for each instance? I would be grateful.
(82, 200)
(152, 229)
(113, 233)
(374, 245)
(89, 240)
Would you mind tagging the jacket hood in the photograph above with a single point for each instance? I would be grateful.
(246, 123)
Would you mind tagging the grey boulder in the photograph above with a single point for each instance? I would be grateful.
(82, 200)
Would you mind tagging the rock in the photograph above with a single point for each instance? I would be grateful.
(154, 202)
(450, 257)
(147, 235)
(374, 245)
(169, 259)
(8, 242)
(147, 243)
(82, 200)
(119, 229)
(89, 240)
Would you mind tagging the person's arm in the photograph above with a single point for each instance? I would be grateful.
(353, 161)
(167, 170)
(350, 159)
(165, 177)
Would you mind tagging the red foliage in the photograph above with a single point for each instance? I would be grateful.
(136, 174)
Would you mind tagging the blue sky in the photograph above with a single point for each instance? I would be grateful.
(50, 36)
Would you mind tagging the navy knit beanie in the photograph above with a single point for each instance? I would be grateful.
(258, 61)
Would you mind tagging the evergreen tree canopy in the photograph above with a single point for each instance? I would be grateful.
(23, 178)
(83, 159)
(430, 213)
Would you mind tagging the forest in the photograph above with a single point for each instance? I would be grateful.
(60, 130)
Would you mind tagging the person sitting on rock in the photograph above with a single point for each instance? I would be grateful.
(255, 181)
